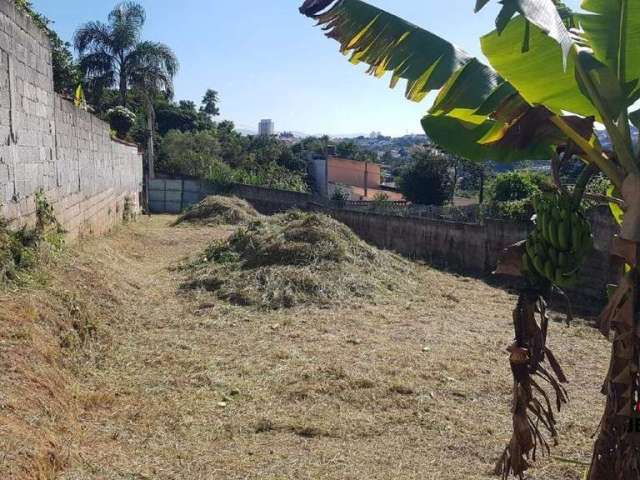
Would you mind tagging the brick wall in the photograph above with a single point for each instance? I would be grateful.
(47, 143)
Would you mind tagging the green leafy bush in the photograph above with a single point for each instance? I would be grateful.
(272, 175)
(121, 120)
(339, 197)
(21, 249)
(192, 154)
(510, 195)
(200, 154)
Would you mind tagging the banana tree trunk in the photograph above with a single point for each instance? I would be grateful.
(616, 453)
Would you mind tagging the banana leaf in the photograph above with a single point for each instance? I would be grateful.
(470, 91)
(612, 31)
(538, 74)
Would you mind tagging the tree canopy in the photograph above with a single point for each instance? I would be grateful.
(427, 180)
(113, 53)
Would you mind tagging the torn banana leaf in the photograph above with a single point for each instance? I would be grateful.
(476, 114)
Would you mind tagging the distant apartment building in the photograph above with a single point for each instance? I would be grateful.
(266, 128)
(361, 180)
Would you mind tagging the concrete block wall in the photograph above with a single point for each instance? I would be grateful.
(48, 144)
(475, 248)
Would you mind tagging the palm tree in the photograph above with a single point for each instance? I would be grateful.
(151, 77)
(112, 54)
(554, 75)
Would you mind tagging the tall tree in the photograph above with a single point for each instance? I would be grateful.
(427, 179)
(152, 75)
(113, 54)
(210, 103)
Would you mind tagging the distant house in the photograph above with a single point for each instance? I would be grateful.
(362, 180)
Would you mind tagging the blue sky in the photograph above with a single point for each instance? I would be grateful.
(268, 61)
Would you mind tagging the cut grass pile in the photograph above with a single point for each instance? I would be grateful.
(219, 210)
(295, 259)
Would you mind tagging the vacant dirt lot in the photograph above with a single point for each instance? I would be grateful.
(179, 385)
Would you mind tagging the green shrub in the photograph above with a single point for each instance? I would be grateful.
(509, 195)
(340, 197)
(21, 249)
(121, 120)
(599, 184)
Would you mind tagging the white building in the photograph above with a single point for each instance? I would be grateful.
(266, 128)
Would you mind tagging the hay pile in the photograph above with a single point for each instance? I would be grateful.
(218, 210)
(295, 259)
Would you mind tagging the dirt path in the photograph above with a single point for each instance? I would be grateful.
(182, 386)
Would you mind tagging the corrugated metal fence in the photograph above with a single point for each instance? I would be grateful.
(174, 196)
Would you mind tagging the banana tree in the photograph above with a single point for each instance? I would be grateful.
(553, 76)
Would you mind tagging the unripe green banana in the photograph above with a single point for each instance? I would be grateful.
(564, 214)
(562, 260)
(536, 203)
(566, 281)
(576, 231)
(538, 264)
(556, 248)
(558, 276)
(564, 234)
(541, 224)
(552, 235)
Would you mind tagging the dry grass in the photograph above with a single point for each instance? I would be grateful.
(299, 258)
(177, 385)
(219, 210)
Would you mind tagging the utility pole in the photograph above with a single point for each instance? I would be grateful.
(366, 179)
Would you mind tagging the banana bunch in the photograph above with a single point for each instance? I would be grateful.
(562, 238)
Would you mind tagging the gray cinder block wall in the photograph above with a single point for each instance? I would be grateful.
(47, 143)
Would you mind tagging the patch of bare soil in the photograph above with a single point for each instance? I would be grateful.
(173, 384)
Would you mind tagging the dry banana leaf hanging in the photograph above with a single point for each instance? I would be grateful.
(537, 376)
(532, 365)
